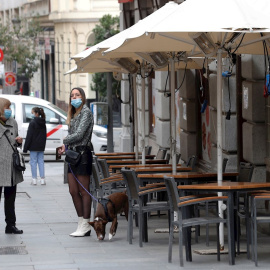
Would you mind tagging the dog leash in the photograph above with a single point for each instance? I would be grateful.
(97, 200)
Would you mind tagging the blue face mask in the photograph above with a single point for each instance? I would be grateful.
(7, 113)
(76, 103)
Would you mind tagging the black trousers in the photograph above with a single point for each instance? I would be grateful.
(9, 204)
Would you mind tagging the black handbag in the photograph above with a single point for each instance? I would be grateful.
(18, 159)
(73, 157)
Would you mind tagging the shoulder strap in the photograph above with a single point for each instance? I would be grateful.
(9, 142)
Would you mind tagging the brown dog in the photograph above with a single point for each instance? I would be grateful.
(116, 204)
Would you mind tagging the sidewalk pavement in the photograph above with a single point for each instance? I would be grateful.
(47, 216)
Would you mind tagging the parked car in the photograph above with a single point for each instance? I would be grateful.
(57, 128)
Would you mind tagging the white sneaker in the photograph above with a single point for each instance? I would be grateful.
(42, 181)
(34, 182)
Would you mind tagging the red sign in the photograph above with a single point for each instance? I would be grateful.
(10, 79)
(124, 1)
(1, 55)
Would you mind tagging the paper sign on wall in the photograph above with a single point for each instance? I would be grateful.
(245, 97)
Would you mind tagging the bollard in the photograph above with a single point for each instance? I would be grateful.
(65, 172)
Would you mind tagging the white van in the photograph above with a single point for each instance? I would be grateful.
(57, 128)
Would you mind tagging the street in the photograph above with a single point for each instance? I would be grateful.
(47, 216)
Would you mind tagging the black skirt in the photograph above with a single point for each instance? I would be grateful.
(84, 167)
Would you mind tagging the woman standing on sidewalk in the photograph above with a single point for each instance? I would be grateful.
(80, 121)
(9, 176)
(35, 142)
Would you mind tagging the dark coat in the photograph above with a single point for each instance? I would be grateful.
(36, 135)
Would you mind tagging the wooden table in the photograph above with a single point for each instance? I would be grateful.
(160, 169)
(116, 154)
(230, 188)
(124, 157)
(133, 162)
(130, 166)
(185, 178)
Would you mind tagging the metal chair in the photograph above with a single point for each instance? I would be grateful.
(95, 160)
(242, 204)
(178, 156)
(192, 162)
(224, 164)
(148, 149)
(137, 204)
(102, 186)
(161, 153)
(168, 157)
(103, 165)
(178, 204)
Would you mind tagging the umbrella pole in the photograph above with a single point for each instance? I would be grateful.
(219, 141)
(143, 113)
(173, 128)
(135, 104)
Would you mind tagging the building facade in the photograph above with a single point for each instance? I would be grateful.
(74, 22)
(244, 108)
(66, 30)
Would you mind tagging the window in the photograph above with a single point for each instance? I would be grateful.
(27, 116)
(12, 107)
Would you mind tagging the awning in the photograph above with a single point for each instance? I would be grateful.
(125, 1)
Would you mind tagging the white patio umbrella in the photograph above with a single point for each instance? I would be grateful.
(86, 60)
(214, 27)
(95, 62)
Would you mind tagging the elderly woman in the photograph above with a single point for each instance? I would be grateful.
(9, 176)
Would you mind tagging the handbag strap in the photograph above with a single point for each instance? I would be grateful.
(10, 143)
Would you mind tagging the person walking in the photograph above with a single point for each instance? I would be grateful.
(10, 177)
(80, 121)
(35, 142)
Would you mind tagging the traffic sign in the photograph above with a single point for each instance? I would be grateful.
(10, 79)
(1, 55)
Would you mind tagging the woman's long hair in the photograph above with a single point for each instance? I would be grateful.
(71, 110)
(39, 111)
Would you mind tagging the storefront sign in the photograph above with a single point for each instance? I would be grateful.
(245, 97)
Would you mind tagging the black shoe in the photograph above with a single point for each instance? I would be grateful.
(13, 229)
